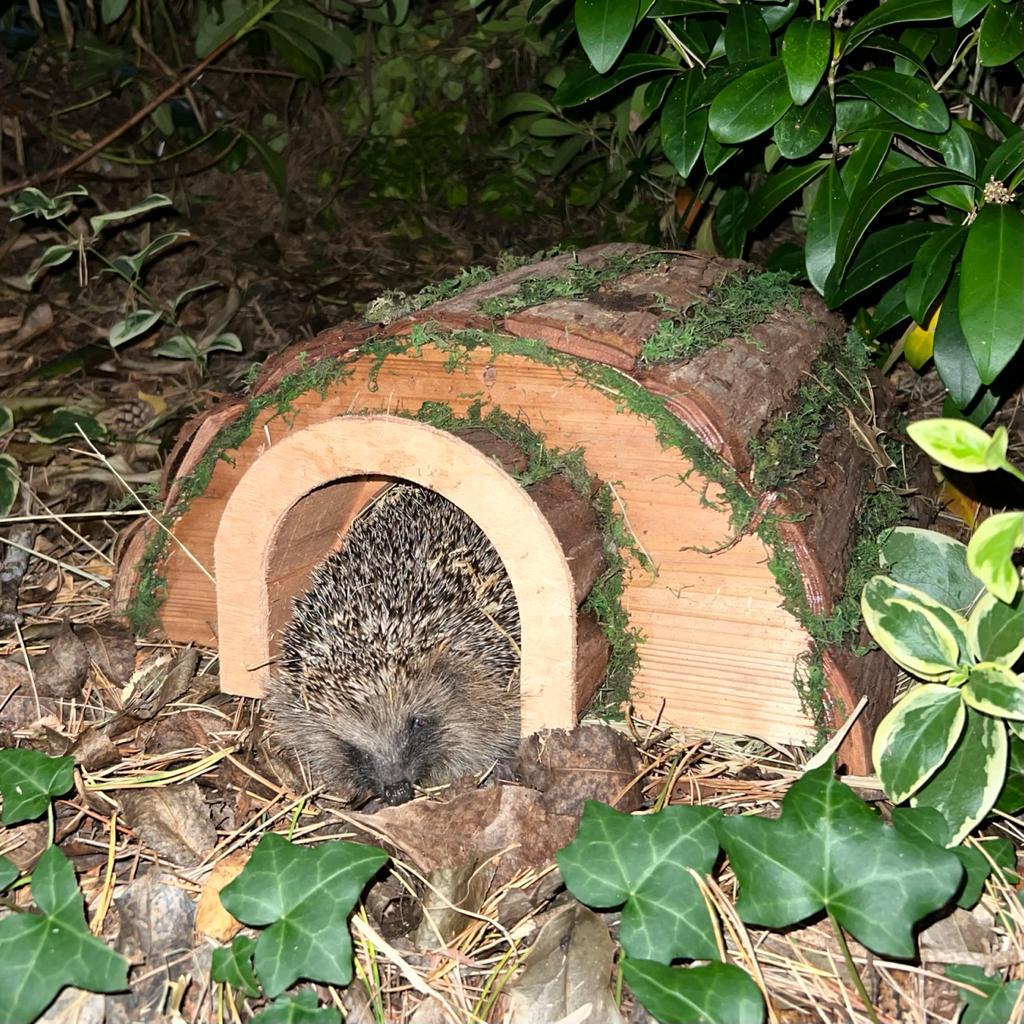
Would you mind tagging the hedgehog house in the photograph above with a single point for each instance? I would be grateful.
(618, 422)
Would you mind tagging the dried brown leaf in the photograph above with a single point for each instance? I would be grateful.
(174, 821)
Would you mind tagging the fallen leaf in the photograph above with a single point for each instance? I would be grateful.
(159, 681)
(174, 821)
(567, 969)
(212, 920)
(447, 890)
(64, 668)
(593, 762)
(111, 648)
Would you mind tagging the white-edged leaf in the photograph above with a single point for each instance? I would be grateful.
(915, 738)
(990, 553)
(995, 629)
(995, 690)
(954, 443)
(54, 256)
(132, 326)
(932, 562)
(153, 202)
(965, 788)
(9, 483)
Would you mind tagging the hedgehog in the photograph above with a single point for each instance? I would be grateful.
(400, 665)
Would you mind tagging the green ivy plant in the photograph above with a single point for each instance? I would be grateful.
(953, 616)
(41, 953)
(146, 312)
(849, 116)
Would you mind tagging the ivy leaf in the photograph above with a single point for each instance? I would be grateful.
(806, 49)
(932, 562)
(28, 780)
(964, 789)
(751, 104)
(915, 738)
(914, 102)
(930, 272)
(302, 1009)
(304, 895)
(232, 965)
(925, 823)
(990, 553)
(992, 288)
(715, 993)
(639, 863)
(8, 872)
(995, 1006)
(830, 851)
(42, 953)
(604, 28)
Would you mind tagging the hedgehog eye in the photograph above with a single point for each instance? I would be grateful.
(416, 723)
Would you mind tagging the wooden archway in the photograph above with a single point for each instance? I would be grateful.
(282, 516)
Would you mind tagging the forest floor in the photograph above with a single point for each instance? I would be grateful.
(175, 780)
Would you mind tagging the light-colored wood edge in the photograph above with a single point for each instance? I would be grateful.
(348, 446)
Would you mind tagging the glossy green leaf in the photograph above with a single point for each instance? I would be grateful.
(66, 422)
(1006, 160)
(916, 737)
(953, 443)
(218, 20)
(869, 201)
(302, 1008)
(604, 28)
(965, 10)
(111, 10)
(1000, 1000)
(584, 85)
(990, 553)
(1011, 796)
(933, 263)
(232, 965)
(802, 130)
(779, 187)
(302, 897)
(10, 483)
(681, 8)
(994, 689)
(28, 782)
(332, 38)
(132, 326)
(824, 222)
(895, 12)
(918, 633)
(991, 302)
(931, 562)
(890, 310)
(640, 864)
(730, 222)
(864, 162)
(952, 357)
(683, 126)
(830, 850)
(882, 254)
(746, 35)
(1002, 34)
(964, 789)
(716, 154)
(8, 872)
(42, 953)
(751, 104)
(713, 993)
(806, 50)
(995, 629)
(777, 15)
(912, 101)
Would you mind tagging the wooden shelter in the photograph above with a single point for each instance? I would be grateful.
(260, 487)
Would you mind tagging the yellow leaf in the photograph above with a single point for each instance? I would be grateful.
(918, 342)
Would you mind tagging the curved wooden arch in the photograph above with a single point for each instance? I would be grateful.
(358, 453)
